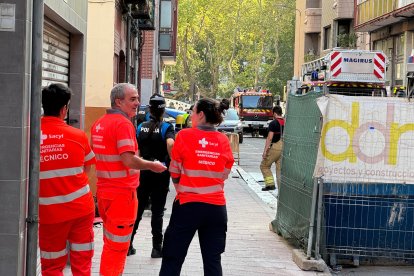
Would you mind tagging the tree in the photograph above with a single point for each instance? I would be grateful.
(225, 44)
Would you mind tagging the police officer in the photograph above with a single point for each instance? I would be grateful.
(155, 139)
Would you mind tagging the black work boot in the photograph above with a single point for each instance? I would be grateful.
(269, 188)
(156, 249)
(131, 250)
(156, 253)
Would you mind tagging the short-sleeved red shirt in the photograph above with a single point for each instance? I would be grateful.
(112, 135)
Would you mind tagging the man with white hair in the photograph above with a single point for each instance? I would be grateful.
(117, 169)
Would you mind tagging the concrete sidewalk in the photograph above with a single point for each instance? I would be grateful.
(251, 249)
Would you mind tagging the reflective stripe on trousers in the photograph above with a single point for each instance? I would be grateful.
(53, 255)
(118, 210)
(64, 198)
(82, 246)
(53, 240)
(116, 238)
(273, 155)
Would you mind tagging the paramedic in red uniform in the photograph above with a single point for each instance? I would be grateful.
(66, 207)
(117, 169)
(201, 161)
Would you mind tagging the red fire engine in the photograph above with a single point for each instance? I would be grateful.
(254, 108)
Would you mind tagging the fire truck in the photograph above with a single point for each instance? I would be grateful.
(254, 107)
(346, 72)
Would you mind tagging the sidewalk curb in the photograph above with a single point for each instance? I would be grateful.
(269, 198)
(300, 259)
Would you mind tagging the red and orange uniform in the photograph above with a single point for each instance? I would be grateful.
(112, 135)
(199, 177)
(66, 207)
(201, 161)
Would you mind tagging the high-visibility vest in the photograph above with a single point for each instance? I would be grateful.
(112, 135)
(185, 117)
(64, 192)
(179, 122)
(201, 161)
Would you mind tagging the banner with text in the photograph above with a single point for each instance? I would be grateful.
(366, 139)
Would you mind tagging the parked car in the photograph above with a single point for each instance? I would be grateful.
(232, 124)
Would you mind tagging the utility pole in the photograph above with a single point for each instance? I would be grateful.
(34, 152)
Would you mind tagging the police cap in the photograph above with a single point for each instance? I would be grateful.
(157, 101)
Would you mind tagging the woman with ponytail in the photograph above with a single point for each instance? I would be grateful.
(201, 161)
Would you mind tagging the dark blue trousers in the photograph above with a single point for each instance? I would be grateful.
(155, 186)
(210, 221)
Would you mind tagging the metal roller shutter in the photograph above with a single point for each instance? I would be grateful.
(56, 48)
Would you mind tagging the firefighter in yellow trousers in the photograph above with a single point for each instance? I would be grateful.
(273, 150)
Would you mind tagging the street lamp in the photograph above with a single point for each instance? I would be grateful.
(299, 33)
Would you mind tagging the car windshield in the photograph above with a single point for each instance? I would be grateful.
(257, 101)
(231, 114)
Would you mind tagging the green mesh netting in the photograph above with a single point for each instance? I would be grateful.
(300, 149)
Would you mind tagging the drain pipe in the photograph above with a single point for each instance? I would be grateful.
(136, 73)
(312, 218)
(34, 151)
(128, 46)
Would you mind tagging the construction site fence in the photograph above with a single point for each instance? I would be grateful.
(300, 147)
(359, 221)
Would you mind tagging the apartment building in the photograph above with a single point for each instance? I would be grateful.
(130, 43)
(390, 24)
(159, 49)
(385, 25)
(62, 57)
(321, 26)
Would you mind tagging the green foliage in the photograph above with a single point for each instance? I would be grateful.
(347, 40)
(225, 44)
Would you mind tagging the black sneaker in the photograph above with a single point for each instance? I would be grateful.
(268, 188)
(131, 251)
(155, 253)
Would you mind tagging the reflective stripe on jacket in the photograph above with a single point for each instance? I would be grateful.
(201, 162)
(112, 135)
(64, 192)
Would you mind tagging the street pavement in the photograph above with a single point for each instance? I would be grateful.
(251, 155)
(251, 248)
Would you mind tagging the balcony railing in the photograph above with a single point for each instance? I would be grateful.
(143, 10)
(375, 9)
